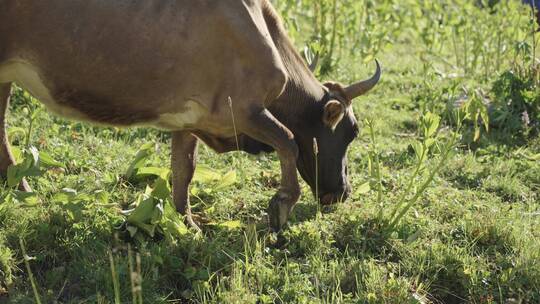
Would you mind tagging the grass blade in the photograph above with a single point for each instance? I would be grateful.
(30, 274)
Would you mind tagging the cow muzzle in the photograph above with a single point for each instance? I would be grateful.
(333, 198)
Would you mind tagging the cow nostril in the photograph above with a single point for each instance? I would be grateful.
(333, 198)
(327, 199)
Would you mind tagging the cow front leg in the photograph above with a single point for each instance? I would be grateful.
(6, 158)
(263, 126)
(183, 161)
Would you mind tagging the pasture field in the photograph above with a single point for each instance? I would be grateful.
(446, 178)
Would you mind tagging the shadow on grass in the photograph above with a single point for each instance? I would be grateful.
(81, 271)
(497, 141)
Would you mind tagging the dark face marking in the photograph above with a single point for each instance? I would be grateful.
(328, 180)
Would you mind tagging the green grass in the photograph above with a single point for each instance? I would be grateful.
(473, 236)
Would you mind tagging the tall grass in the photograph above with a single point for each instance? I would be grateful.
(422, 174)
(480, 40)
(115, 279)
(27, 259)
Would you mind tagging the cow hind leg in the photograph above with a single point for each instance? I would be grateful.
(183, 161)
(262, 126)
(6, 158)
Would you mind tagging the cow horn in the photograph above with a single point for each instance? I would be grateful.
(362, 87)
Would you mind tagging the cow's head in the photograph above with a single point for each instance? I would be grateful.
(329, 131)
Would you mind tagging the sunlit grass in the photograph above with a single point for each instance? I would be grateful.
(471, 235)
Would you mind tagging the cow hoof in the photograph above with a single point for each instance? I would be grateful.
(24, 186)
(193, 222)
(278, 212)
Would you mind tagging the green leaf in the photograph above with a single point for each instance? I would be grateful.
(14, 176)
(65, 196)
(47, 160)
(535, 157)
(17, 154)
(147, 214)
(485, 117)
(132, 230)
(226, 181)
(363, 189)
(419, 150)
(195, 191)
(232, 225)
(28, 167)
(144, 210)
(174, 226)
(74, 210)
(35, 155)
(15, 132)
(147, 192)
(149, 229)
(162, 189)
(35, 113)
(142, 155)
(430, 123)
(28, 198)
(476, 134)
(205, 174)
(102, 196)
(163, 173)
(429, 142)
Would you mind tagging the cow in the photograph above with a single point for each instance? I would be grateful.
(223, 72)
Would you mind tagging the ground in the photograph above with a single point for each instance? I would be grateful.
(471, 237)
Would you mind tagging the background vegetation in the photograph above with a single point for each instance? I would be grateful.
(446, 178)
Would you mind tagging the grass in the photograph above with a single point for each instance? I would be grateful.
(472, 236)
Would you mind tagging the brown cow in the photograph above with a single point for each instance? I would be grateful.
(183, 66)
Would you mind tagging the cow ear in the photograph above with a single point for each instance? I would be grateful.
(333, 114)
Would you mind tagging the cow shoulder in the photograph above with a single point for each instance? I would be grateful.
(260, 60)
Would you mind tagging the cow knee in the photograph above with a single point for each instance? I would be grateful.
(295, 194)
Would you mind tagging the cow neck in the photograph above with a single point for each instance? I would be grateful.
(302, 91)
(298, 99)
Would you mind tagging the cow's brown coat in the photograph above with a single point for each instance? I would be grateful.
(174, 65)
